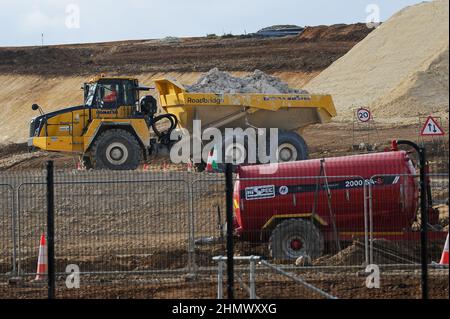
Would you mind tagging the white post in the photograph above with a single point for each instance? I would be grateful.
(220, 267)
(252, 278)
(370, 223)
(366, 223)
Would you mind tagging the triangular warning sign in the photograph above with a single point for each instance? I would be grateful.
(431, 128)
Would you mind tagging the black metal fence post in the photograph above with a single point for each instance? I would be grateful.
(424, 222)
(423, 214)
(230, 247)
(50, 231)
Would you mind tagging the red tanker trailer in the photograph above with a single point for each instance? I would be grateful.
(300, 206)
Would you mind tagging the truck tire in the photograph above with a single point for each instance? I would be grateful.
(86, 163)
(237, 150)
(293, 238)
(233, 148)
(291, 147)
(200, 167)
(116, 149)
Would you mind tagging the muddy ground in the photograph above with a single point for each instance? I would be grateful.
(342, 284)
(324, 140)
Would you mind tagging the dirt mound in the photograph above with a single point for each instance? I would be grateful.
(14, 154)
(443, 215)
(336, 32)
(39, 59)
(384, 252)
(400, 69)
(351, 255)
(423, 93)
(215, 81)
(175, 55)
(9, 161)
(12, 148)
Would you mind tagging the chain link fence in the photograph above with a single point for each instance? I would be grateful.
(7, 236)
(155, 234)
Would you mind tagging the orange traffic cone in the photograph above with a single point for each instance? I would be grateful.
(42, 259)
(145, 167)
(444, 257)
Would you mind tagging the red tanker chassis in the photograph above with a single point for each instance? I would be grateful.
(298, 212)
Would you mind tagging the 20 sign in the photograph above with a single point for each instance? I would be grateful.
(363, 115)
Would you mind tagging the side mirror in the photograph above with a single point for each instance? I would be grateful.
(35, 107)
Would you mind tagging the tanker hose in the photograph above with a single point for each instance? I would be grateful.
(164, 135)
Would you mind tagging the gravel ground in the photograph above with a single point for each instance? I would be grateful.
(342, 284)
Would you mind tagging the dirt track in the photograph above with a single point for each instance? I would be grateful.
(324, 140)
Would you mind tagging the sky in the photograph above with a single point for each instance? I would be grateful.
(22, 22)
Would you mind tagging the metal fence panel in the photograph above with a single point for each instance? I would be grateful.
(209, 219)
(31, 224)
(123, 225)
(110, 225)
(119, 230)
(153, 235)
(395, 219)
(439, 187)
(7, 252)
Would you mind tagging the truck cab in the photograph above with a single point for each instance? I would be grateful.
(112, 124)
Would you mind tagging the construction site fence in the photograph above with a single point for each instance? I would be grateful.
(160, 229)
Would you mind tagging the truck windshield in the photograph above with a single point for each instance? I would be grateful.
(91, 88)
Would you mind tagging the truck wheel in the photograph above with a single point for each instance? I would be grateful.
(86, 162)
(116, 149)
(200, 167)
(294, 238)
(237, 151)
(291, 147)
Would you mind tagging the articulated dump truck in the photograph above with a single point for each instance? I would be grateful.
(116, 128)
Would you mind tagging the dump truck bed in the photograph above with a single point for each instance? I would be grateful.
(283, 111)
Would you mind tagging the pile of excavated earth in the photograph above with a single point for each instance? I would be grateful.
(215, 81)
(400, 70)
(337, 32)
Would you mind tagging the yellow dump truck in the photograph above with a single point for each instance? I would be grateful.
(116, 129)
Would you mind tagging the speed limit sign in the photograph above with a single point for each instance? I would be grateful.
(363, 115)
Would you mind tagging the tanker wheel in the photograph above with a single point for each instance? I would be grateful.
(294, 238)
(291, 147)
(116, 149)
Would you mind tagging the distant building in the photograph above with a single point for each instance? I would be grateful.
(279, 31)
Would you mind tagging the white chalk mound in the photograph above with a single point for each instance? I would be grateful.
(215, 81)
(400, 69)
